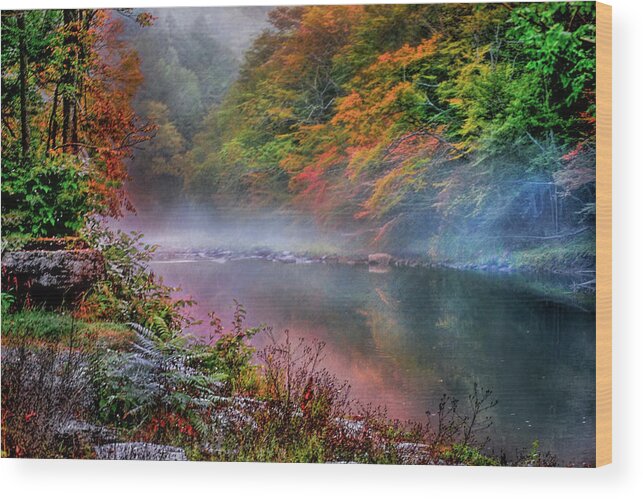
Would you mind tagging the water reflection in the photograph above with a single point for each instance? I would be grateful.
(404, 337)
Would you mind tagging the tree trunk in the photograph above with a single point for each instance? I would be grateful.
(67, 78)
(24, 125)
(53, 121)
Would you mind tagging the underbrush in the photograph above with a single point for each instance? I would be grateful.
(303, 413)
(564, 256)
(130, 292)
(218, 400)
(43, 389)
(464, 454)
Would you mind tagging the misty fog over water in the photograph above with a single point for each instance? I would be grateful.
(401, 338)
(184, 224)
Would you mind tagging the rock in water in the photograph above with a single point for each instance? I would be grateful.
(382, 259)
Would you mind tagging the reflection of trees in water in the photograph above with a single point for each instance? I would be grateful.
(408, 336)
(461, 328)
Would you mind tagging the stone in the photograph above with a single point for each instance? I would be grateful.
(81, 431)
(139, 451)
(382, 259)
(52, 277)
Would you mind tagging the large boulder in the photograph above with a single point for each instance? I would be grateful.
(51, 277)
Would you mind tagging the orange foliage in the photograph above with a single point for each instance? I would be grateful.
(365, 132)
(106, 78)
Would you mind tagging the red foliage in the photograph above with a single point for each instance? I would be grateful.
(165, 427)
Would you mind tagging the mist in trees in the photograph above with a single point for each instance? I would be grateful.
(452, 130)
(189, 58)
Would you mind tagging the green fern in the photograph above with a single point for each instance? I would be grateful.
(157, 375)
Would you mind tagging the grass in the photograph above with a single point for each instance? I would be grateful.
(46, 326)
(561, 256)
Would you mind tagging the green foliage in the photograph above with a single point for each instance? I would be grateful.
(7, 302)
(464, 454)
(231, 352)
(37, 324)
(559, 42)
(41, 36)
(155, 377)
(50, 197)
(52, 327)
(131, 292)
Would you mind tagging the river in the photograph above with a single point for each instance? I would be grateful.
(404, 337)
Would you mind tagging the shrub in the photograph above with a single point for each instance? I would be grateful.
(455, 426)
(49, 197)
(535, 457)
(306, 414)
(465, 454)
(130, 292)
(231, 351)
(8, 300)
(155, 378)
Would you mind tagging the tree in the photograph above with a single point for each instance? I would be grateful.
(68, 80)
(22, 48)
(431, 119)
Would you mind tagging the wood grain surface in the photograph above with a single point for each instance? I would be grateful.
(603, 234)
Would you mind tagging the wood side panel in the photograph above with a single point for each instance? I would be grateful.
(603, 234)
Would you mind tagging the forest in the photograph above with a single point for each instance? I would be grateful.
(440, 130)
(456, 135)
(68, 126)
(444, 131)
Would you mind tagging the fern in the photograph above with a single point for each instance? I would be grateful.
(159, 325)
(156, 376)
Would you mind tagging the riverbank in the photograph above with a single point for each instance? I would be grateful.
(549, 260)
(111, 391)
(535, 272)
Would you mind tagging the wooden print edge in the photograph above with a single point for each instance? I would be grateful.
(603, 234)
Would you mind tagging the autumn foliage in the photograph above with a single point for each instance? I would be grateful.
(410, 121)
(408, 115)
(67, 105)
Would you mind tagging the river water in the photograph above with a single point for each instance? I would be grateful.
(404, 337)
